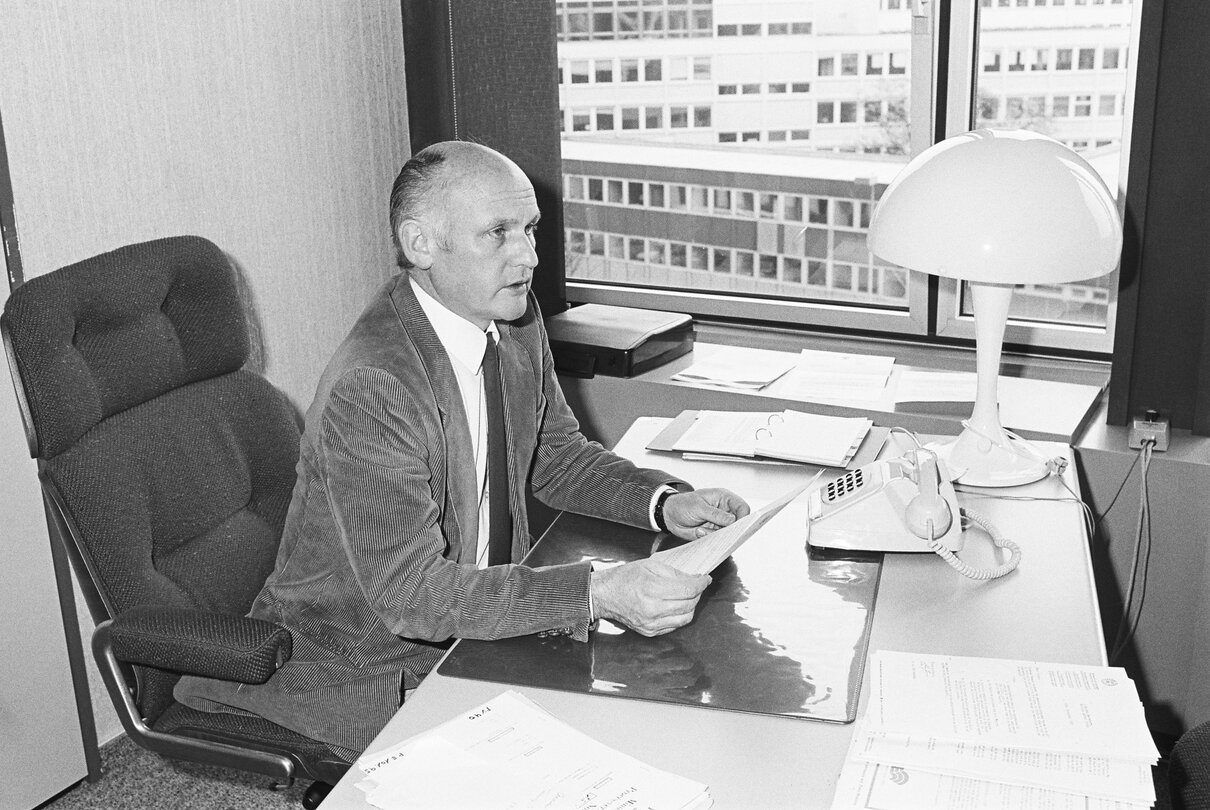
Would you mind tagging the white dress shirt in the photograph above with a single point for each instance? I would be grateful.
(464, 343)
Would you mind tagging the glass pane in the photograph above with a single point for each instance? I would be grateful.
(1071, 86)
(815, 97)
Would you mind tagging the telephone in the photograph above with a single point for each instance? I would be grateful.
(899, 504)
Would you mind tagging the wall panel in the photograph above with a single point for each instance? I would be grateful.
(272, 127)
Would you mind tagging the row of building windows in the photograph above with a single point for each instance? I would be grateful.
(716, 201)
(1105, 105)
(657, 69)
(769, 136)
(1038, 59)
(761, 29)
(826, 278)
(755, 88)
(877, 63)
(873, 111)
(1023, 3)
(610, 119)
(626, 19)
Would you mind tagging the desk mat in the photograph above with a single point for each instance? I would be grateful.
(782, 630)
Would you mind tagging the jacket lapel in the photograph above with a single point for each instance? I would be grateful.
(460, 520)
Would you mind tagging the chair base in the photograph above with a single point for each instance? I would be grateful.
(316, 793)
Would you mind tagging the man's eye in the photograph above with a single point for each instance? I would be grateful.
(531, 229)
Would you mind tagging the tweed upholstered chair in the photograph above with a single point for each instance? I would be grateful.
(1189, 770)
(167, 469)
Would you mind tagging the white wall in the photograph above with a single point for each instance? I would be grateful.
(272, 127)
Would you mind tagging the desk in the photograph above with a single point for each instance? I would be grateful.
(1046, 610)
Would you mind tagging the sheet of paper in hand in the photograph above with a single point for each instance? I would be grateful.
(703, 555)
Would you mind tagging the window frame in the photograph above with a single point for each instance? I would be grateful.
(934, 306)
(950, 320)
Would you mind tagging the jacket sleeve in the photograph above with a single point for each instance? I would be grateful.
(377, 468)
(570, 472)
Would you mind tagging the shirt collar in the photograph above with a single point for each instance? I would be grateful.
(463, 341)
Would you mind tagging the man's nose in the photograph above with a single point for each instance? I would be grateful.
(528, 253)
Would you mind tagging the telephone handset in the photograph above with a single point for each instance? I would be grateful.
(902, 504)
(895, 504)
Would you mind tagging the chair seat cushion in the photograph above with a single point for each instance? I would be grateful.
(313, 759)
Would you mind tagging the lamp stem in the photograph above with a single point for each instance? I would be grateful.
(984, 455)
(991, 302)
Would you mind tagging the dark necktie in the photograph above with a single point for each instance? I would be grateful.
(500, 522)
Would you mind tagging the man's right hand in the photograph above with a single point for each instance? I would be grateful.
(648, 596)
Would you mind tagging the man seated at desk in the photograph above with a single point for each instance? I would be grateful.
(399, 537)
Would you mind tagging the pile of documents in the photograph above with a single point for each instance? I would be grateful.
(951, 732)
(737, 368)
(838, 377)
(511, 754)
(789, 435)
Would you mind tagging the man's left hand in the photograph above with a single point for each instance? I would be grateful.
(689, 515)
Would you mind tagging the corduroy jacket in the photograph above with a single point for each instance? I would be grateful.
(376, 570)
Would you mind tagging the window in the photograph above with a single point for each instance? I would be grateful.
(1083, 101)
(822, 133)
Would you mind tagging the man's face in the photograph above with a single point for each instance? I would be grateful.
(483, 255)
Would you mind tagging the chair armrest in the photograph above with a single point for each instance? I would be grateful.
(214, 645)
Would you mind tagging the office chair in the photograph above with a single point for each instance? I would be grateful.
(166, 469)
(1189, 770)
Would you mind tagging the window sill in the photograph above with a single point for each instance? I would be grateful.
(1041, 398)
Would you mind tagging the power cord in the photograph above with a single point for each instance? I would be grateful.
(1132, 611)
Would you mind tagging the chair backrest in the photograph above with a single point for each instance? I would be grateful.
(169, 467)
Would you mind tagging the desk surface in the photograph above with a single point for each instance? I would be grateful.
(1046, 610)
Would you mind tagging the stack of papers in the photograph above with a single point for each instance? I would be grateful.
(915, 385)
(738, 368)
(838, 378)
(511, 754)
(829, 441)
(950, 732)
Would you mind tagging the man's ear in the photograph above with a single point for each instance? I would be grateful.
(417, 243)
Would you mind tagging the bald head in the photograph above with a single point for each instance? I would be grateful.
(432, 175)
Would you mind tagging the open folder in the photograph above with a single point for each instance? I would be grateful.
(828, 441)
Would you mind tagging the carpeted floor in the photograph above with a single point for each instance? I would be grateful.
(136, 779)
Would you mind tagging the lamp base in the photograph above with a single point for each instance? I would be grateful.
(976, 460)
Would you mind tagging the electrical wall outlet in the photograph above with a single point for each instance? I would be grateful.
(1149, 426)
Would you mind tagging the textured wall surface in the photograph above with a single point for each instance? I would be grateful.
(272, 127)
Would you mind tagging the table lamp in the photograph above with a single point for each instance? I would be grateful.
(997, 208)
